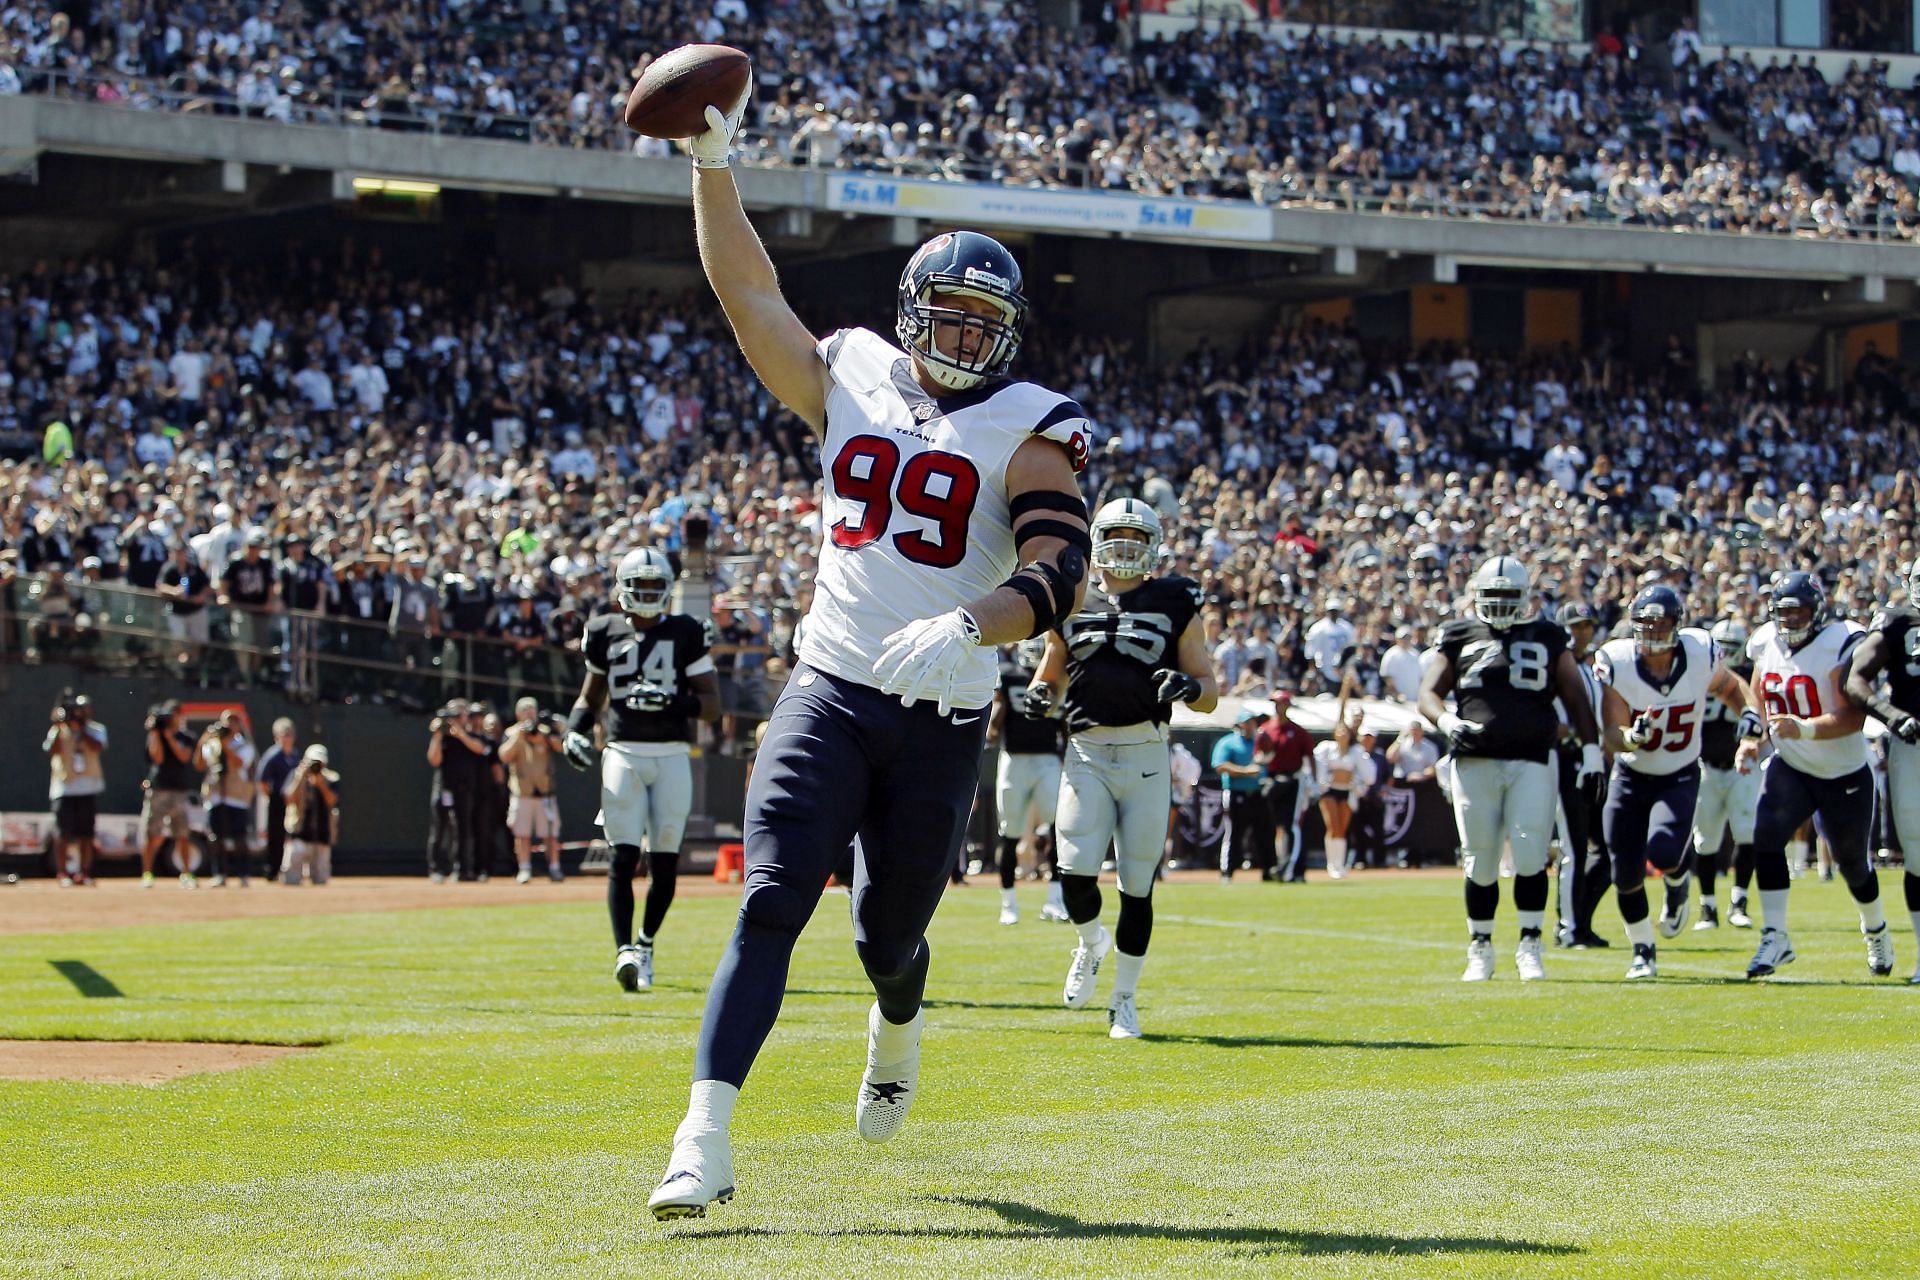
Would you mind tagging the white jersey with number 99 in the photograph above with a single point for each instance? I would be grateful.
(917, 519)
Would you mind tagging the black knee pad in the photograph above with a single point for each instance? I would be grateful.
(1530, 892)
(887, 959)
(1081, 896)
(1912, 883)
(778, 907)
(1135, 927)
(626, 861)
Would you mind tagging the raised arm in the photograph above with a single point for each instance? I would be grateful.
(776, 344)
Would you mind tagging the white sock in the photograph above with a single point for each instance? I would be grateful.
(1055, 895)
(1480, 926)
(1707, 902)
(1534, 920)
(1640, 932)
(1336, 854)
(1088, 931)
(642, 940)
(892, 1041)
(711, 1106)
(1126, 973)
(1007, 898)
(1873, 916)
(1773, 908)
(1739, 897)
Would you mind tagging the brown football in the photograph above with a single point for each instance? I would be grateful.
(676, 89)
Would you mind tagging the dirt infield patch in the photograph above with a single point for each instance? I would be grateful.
(147, 1062)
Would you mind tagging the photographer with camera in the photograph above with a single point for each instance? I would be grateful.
(532, 812)
(73, 747)
(311, 818)
(163, 806)
(270, 777)
(457, 755)
(227, 757)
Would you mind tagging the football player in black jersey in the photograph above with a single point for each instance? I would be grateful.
(1505, 667)
(1893, 646)
(1729, 798)
(652, 669)
(1134, 649)
(1028, 779)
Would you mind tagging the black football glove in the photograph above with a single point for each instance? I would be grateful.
(1176, 686)
(1907, 729)
(1037, 701)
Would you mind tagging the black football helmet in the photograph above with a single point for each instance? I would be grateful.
(1798, 607)
(964, 264)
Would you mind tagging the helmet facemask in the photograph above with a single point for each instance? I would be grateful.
(1499, 605)
(1913, 584)
(1656, 634)
(1795, 636)
(644, 594)
(925, 327)
(1125, 551)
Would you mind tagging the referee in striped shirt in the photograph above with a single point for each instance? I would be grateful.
(1583, 860)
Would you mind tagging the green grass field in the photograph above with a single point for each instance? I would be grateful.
(1319, 1095)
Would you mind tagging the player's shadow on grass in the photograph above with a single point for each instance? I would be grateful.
(1029, 1222)
(87, 980)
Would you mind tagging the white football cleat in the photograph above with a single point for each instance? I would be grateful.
(1056, 909)
(699, 1173)
(1679, 905)
(1776, 950)
(1643, 965)
(1009, 908)
(1526, 959)
(628, 964)
(1479, 960)
(1737, 916)
(1084, 971)
(1709, 919)
(1880, 952)
(1123, 1018)
(887, 1089)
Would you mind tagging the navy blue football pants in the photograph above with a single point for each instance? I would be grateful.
(1648, 818)
(842, 762)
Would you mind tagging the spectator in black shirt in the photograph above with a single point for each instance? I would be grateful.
(467, 610)
(361, 607)
(305, 586)
(456, 753)
(526, 639)
(186, 588)
(249, 593)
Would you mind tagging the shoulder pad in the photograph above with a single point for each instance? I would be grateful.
(858, 357)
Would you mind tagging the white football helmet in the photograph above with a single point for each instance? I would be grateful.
(1501, 588)
(1029, 653)
(643, 582)
(1730, 637)
(1126, 557)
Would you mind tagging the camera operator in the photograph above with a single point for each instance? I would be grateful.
(532, 812)
(311, 818)
(490, 836)
(74, 745)
(457, 755)
(270, 776)
(163, 808)
(228, 789)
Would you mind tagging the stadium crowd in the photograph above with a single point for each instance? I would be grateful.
(1613, 133)
(369, 476)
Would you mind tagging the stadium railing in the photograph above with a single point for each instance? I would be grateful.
(1399, 194)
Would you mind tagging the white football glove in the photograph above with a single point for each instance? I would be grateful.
(714, 148)
(924, 658)
(1457, 729)
(579, 751)
(1639, 733)
(1593, 763)
(647, 696)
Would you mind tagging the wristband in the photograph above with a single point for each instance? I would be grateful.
(1750, 727)
(581, 720)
